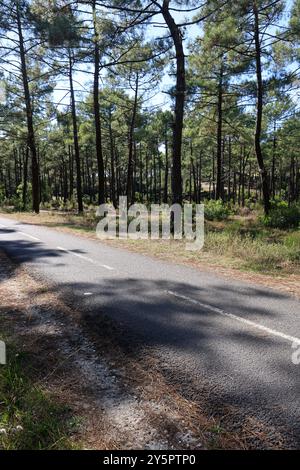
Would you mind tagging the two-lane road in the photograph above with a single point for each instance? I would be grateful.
(229, 342)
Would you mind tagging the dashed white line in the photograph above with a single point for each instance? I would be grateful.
(30, 236)
(85, 258)
(24, 234)
(270, 331)
(109, 268)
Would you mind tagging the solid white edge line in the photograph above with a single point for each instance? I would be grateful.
(270, 331)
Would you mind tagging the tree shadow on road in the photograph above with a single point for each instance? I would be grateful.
(231, 370)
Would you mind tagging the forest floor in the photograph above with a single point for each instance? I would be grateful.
(238, 248)
(65, 387)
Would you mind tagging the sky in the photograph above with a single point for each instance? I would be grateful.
(158, 99)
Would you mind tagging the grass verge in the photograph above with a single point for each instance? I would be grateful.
(239, 243)
(29, 418)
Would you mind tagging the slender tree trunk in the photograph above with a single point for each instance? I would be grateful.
(165, 199)
(88, 173)
(71, 170)
(200, 178)
(273, 185)
(234, 187)
(155, 178)
(297, 189)
(243, 176)
(214, 176)
(229, 168)
(25, 178)
(240, 176)
(179, 103)
(193, 177)
(112, 162)
(219, 190)
(75, 137)
(190, 182)
(97, 117)
(259, 113)
(29, 117)
(129, 188)
(141, 173)
(147, 176)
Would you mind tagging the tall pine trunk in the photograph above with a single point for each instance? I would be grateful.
(75, 137)
(219, 187)
(179, 103)
(165, 197)
(25, 178)
(129, 186)
(29, 118)
(97, 117)
(259, 113)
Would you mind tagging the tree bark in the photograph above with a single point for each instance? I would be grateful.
(25, 178)
(29, 117)
(97, 117)
(165, 198)
(259, 112)
(71, 170)
(112, 162)
(273, 184)
(179, 103)
(75, 137)
(129, 188)
(229, 168)
(219, 190)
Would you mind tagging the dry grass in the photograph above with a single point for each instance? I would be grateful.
(238, 248)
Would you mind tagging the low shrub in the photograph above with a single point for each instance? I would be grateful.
(282, 216)
(216, 210)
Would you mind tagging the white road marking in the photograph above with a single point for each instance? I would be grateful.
(109, 268)
(30, 236)
(60, 248)
(3, 226)
(85, 258)
(270, 331)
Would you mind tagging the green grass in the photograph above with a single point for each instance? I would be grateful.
(29, 418)
(257, 247)
(255, 250)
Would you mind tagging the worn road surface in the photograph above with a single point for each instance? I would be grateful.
(231, 342)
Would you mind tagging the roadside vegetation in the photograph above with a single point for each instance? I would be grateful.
(240, 238)
(232, 142)
(29, 418)
(164, 102)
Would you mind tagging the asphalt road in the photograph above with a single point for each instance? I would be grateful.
(227, 341)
